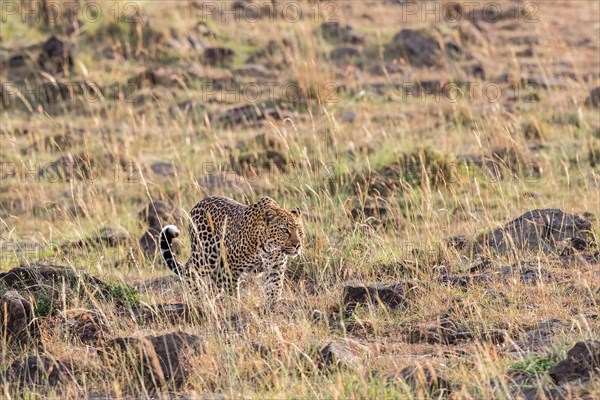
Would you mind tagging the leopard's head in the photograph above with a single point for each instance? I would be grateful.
(283, 230)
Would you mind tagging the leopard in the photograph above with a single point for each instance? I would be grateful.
(230, 239)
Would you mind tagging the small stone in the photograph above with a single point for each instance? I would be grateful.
(216, 56)
(594, 98)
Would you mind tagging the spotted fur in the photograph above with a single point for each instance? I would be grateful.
(229, 239)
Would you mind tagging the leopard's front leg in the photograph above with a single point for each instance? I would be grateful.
(275, 272)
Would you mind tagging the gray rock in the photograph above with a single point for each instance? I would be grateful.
(417, 47)
(161, 358)
(389, 295)
(218, 56)
(538, 338)
(56, 56)
(426, 380)
(535, 231)
(342, 354)
(345, 54)
(39, 370)
(16, 317)
(594, 99)
(582, 362)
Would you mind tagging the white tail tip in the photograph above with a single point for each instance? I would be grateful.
(172, 230)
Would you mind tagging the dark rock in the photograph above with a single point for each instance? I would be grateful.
(334, 31)
(444, 331)
(511, 160)
(250, 113)
(47, 283)
(89, 328)
(533, 131)
(70, 166)
(18, 61)
(345, 54)
(348, 116)
(538, 338)
(458, 242)
(478, 71)
(534, 231)
(389, 295)
(218, 56)
(261, 349)
(20, 67)
(55, 56)
(582, 361)
(496, 296)
(269, 159)
(525, 53)
(110, 236)
(540, 393)
(168, 77)
(528, 385)
(416, 46)
(426, 380)
(342, 354)
(519, 378)
(157, 214)
(250, 10)
(106, 236)
(454, 51)
(162, 359)
(30, 277)
(39, 370)
(594, 99)
(149, 243)
(481, 265)
(267, 142)
(492, 15)
(465, 281)
(372, 209)
(525, 273)
(495, 336)
(16, 317)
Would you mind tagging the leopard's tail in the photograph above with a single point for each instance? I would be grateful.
(166, 237)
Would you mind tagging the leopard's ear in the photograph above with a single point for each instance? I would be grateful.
(269, 216)
(296, 212)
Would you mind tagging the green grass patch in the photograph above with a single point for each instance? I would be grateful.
(534, 364)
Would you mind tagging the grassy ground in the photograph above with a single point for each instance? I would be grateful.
(335, 142)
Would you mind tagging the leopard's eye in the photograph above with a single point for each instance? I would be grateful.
(285, 230)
